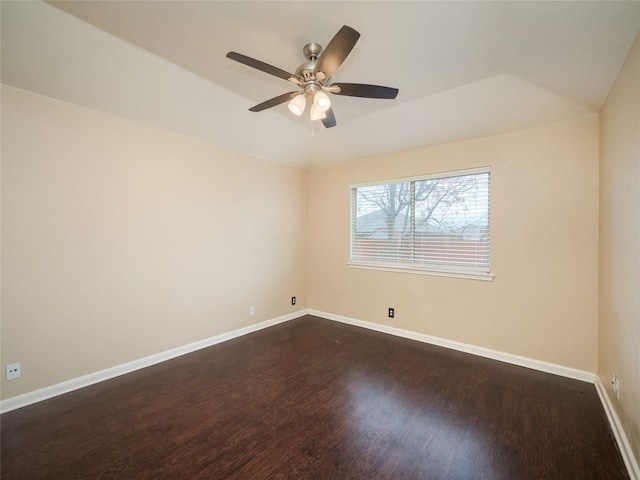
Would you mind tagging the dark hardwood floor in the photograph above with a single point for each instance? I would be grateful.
(315, 399)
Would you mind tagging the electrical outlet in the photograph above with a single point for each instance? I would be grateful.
(616, 386)
(13, 371)
(293, 300)
(252, 311)
(392, 312)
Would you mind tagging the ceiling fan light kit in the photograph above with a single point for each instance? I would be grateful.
(313, 78)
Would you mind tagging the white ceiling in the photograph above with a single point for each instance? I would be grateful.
(464, 69)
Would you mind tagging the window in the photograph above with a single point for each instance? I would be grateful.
(436, 223)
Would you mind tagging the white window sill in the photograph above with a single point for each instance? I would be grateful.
(485, 277)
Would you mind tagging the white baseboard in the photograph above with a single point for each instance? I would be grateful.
(74, 384)
(464, 347)
(618, 432)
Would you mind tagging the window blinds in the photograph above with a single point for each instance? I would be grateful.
(436, 222)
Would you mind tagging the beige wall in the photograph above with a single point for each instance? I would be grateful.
(542, 303)
(121, 240)
(619, 324)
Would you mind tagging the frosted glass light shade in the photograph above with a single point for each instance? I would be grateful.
(321, 101)
(297, 104)
(316, 114)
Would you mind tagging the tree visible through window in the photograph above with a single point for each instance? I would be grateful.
(438, 222)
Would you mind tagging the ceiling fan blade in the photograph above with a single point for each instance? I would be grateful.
(338, 49)
(364, 90)
(274, 101)
(263, 67)
(330, 119)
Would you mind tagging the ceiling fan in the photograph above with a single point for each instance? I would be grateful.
(314, 78)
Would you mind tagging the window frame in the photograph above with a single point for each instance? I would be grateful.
(419, 268)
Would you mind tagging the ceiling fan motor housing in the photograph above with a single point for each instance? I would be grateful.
(305, 71)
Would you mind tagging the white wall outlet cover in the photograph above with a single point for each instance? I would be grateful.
(13, 371)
